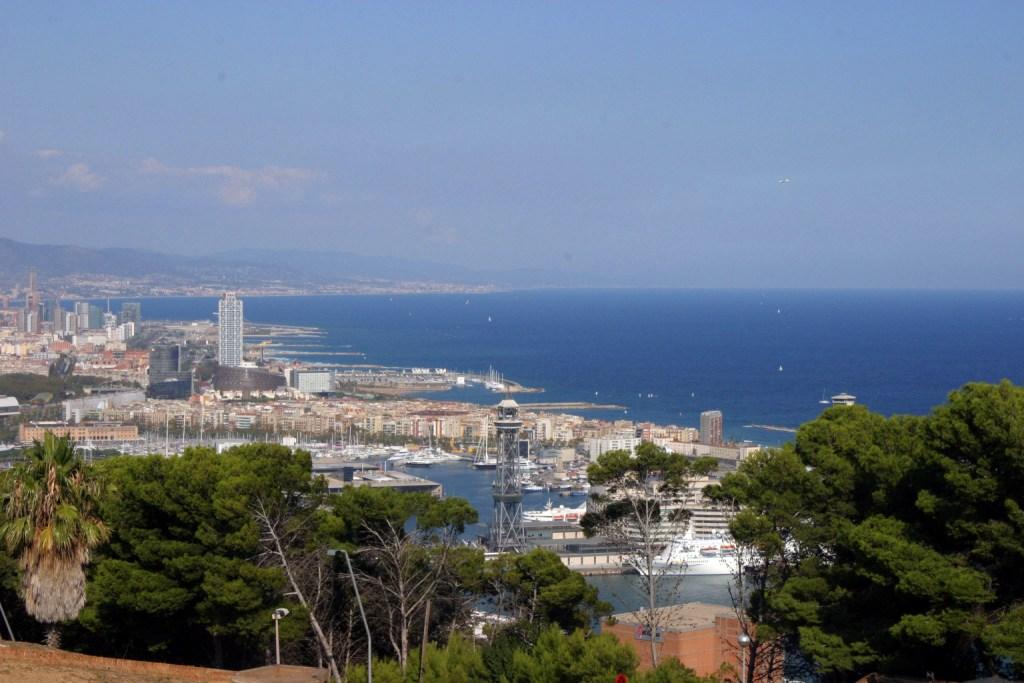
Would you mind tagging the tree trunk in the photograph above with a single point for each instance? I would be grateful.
(278, 551)
(423, 645)
(652, 606)
(53, 637)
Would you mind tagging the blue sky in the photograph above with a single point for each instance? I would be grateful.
(637, 143)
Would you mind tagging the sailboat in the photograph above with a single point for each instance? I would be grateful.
(483, 460)
(824, 401)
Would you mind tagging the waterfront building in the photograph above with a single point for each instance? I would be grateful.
(734, 452)
(843, 400)
(312, 381)
(229, 330)
(340, 475)
(712, 427)
(35, 431)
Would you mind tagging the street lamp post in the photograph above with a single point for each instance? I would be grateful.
(362, 614)
(279, 614)
(744, 642)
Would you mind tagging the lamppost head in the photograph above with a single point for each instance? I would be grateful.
(279, 613)
(743, 639)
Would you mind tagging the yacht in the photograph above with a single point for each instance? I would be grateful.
(696, 557)
(555, 514)
(429, 456)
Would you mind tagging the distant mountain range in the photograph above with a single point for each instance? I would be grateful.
(69, 265)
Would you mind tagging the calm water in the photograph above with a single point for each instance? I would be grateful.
(623, 592)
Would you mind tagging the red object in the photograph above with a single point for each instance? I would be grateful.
(622, 678)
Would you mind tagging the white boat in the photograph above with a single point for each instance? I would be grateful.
(401, 456)
(494, 382)
(483, 459)
(696, 557)
(555, 514)
(532, 488)
(429, 456)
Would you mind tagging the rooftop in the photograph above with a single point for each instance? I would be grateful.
(688, 616)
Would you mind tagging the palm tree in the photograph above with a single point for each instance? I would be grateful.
(50, 525)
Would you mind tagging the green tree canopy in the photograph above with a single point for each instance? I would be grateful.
(893, 544)
(536, 587)
(178, 579)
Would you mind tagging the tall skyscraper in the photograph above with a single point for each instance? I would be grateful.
(32, 299)
(131, 312)
(229, 330)
(711, 427)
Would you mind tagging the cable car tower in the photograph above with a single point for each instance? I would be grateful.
(507, 533)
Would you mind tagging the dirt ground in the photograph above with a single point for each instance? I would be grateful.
(26, 663)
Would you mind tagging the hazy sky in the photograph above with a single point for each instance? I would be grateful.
(641, 141)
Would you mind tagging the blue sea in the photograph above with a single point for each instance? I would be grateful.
(761, 357)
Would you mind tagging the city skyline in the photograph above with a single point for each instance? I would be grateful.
(655, 145)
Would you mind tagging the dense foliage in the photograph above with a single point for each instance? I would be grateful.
(537, 588)
(178, 580)
(893, 544)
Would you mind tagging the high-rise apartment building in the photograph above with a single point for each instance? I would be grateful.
(229, 330)
(711, 427)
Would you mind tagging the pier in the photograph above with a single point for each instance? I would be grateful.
(771, 428)
(572, 405)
